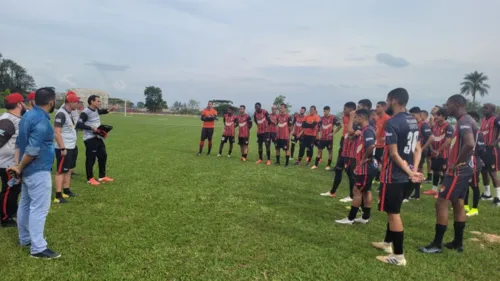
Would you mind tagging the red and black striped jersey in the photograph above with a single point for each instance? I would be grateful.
(244, 124)
(465, 125)
(327, 124)
(262, 120)
(230, 123)
(489, 128)
(366, 139)
(274, 122)
(284, 126)
(441, 133)
(297, 124)
(346, 148)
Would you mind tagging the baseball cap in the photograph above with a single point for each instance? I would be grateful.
(31, 96)
(14, 98)
(70, 93)
(72, 97)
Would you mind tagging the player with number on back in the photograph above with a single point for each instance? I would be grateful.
(244, 124)
(400, 165)
(327, 126)
(283, 135)
(230, 123)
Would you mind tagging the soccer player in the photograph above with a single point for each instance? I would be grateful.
(426, 139)
(208, 116)
(382, 118)
(89, 122)
(490, 125)
(425, 117)
(327, 125)
(442, 134)
(400, 165)
(456, 181)
(342, 159)
(31, 101)
(285, 122)
(65, 136)
(479, 151)
(274, 123)
(263, 120)
(244, 124)
(230, 123)
(9, 126)
(309, 134)
(297, 128)
(365, 171)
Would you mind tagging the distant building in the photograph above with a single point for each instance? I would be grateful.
(84, 94)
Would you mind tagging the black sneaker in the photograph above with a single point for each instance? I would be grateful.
(69, 193)
(60, 200)
(431, 249)
(277, 163)
(486, 197)
(452, 246)
(46, 254)
(9, 223)
(496, 202)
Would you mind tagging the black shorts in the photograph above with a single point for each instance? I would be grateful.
(295, 139)
(439, 164)
(379, 153)
(207, 133)
(243, 141)
(328, 144)
(308, 141)
(282, 144)
(262, 138)
(364, 182)
(474, 181)
(455, 186)
(391, 196)
(67, 162)
(272, 136)
(225, 139)
(491, 159)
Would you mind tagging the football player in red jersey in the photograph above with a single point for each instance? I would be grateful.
(327, 125)
(244, 124)
(230, 123)
(263, 120)
(298, 118)
(274, 123)
(283, 134)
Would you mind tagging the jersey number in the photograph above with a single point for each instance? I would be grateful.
(412, 142)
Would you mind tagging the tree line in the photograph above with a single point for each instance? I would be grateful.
(14, 79)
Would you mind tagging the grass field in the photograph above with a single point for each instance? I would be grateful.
(171, 215)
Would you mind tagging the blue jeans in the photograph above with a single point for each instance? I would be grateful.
(33, 208)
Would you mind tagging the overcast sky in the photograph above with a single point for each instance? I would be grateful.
(322, 52)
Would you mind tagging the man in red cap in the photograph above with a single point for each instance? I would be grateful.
(9, 128)
(65, 135)
(31, 100)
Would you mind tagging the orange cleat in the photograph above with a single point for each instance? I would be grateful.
(92, 181)
(430, 192)
(106, 179)
(268, 163)
(258, 162)
(243, 159)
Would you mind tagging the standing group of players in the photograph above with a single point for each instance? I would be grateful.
(391, 145)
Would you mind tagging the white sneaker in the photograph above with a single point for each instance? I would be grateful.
(393, 259)
(328, 168)
(345, 221)
(218, 155)
(406, 201)
(361, 220)
(229, 156)
(346, 199)
(326, 194)
(387, 247)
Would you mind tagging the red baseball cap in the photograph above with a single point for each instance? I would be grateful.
(70, 93)
(31, 96)
(72, 97)
(14, 98)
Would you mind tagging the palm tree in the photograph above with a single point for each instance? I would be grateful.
(474, 83)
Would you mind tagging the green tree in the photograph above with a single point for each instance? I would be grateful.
(14, 77)
(3, 94)
(154, 99)
(281, 99)
(141, 105)
(222, 106)
(473, 84)
(120, 102)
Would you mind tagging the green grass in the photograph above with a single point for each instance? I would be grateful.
(171, 215)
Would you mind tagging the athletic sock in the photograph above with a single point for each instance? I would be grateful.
(459, 233)
(336, 180)
(487, 190)
(230, 149)
(353, 213)
(366, 213)
(277, 158)
(475, 197)
(260, 154)
(435, 181)
(292, 149)
(429, 176)
(329, 162)
(202, 144)
(497, 191)
(316, 163)
(209, 146)
(398, 237)
(268, 153)
(438, 238)
(66, 190)
(388, 235)
(58, 194)
(287, 159)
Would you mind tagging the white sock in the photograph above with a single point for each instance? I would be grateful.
(497, 191)
(487, 190)
(435, 188)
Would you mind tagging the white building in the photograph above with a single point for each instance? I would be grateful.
(84, 94)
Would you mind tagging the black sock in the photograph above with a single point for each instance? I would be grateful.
(398, 237)
(353, 213)
(317, 161)
(244, 156)
(66, 190)
(438, 238)
(230, 149)
(366, 213)
(336, 181)
(429, 176)
(277, 158)
(329, 162)
(260, 154)
(268, 153)
(475, 197)
(58, 194)
(287, 159)
(388, 235)
(435, 179)
(466, 199)
(292, 149)
(220, 147)
(459, 233)
(417, 191)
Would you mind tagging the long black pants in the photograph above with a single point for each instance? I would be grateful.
(95, 148)
(8, 197)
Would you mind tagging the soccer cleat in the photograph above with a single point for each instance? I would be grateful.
(218, 155)
(436, 196)
(229, 156)
(466, 208)
(65, 195)
(333, 195)
(361, 221)
(386, 247)
(199, 154)
(314, 167)
(47, 254)
(393, 259)
(496, 202)
(473, 212)
(106, 179)
(431, 249)
(345, 221)
(277, 163)
(60, 200)
(258, 161)
(430, 192)
(346, 199)
(92, 181)
(268, 163)
(406, 200)
(243, 159)
(486, 197)
(9, 223)
(68, 193)
(328, 168)
(452, 246)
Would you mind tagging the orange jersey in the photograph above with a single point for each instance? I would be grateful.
(311, 120)
(209, 113)
(380, 130)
